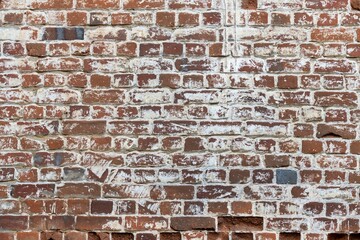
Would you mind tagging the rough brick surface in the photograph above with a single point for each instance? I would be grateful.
(179, 119)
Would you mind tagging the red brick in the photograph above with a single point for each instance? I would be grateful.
(327, 4)
(337, 34)
(146, 223)
(121, 19)
(249, 4)
(14, 223)
(188, 19)
(311, 146)
(147, 4)
(335, 99)
(355, 4)
(79, 190)
(91, 223)
(28, 235)
(101, 207)
(84, 127)
(48, 4)
(76, 18)
(165, 19)
(173, 49)
(258, 18)
(189, 4)
(172, 192)
(212, 18)
(240, 223)
(280, 19)
(102, 4)
(330, 66)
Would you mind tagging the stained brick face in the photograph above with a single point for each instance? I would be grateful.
(179, 119)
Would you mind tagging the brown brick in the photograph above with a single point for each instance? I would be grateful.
(192, 223)
(240, 223)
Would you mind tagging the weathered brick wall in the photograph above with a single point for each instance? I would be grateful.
(179, 119)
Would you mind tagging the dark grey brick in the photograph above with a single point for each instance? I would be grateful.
(286, 176)
(58, 159)
(62, 33)
(74, 174)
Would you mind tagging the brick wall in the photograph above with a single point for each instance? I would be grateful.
(179, 119)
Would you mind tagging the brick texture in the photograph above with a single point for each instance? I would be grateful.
(179, 119)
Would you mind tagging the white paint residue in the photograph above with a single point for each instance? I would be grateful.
(112, 225)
